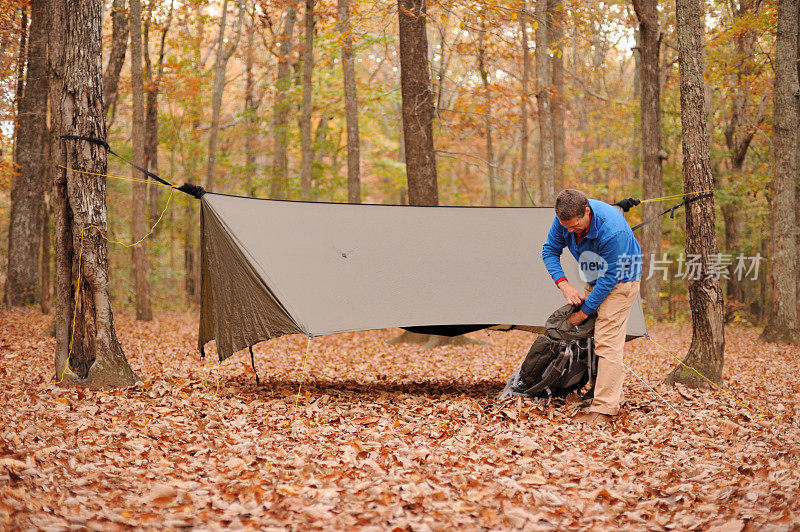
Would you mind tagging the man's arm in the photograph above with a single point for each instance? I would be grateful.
(551, 251)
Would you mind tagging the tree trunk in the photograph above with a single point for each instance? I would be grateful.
(250, 111)
(25, 225)
(417, 98)
(555, 25)
(224, 53)
(307, 149)
(636, 140)
(797, 195)
(524, 177)
(487, 111)
(191, 281)
(652, 183)
(89, 353)
(544, 81)
(705, 296)
(119, 44)
(280, 112)
(22, 61)
(782, 322)
(350, 105)
(44, 261)
(144, 309)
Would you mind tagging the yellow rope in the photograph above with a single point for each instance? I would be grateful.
(302, 378)
(676, 196)
(80, 270)
(123, 178)
(714, 384)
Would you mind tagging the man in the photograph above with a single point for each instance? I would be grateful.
(609, 257)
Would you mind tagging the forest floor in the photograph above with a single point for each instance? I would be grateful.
(388, 437)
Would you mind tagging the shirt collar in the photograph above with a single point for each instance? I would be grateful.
(589, 229)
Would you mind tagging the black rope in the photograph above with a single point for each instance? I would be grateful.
(671, 210)
(187, 188)
(253, 362)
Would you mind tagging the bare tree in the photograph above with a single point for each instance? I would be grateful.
(487, 111)
(350, 104)
(555, 35)
(152, 83)
(307, 149)
(544, 80)
(524, 101)
(705, 295)
(119, 45)
(144, 308)
(782, 322)
(27, 193)
(280, 111)
(739, 132)
(250, 107)
(87, 350)
(652, 179)
(224, 53)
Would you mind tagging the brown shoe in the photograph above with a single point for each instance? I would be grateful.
(593, 418)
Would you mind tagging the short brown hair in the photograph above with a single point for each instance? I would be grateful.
(571, 204)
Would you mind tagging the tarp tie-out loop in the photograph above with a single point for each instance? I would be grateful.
(187, 188)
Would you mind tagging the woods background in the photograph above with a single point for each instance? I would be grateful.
(252, 97)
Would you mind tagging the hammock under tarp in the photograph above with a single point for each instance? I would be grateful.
(272, 267)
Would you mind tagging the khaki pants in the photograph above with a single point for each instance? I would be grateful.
(609, 340)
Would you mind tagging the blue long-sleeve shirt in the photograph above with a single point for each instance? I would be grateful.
(608, 254)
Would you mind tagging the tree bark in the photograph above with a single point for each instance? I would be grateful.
(544, 81)
(524, 177)
(417, 98)
(27, 205)
(120, 30)
(652, 182)
(705, 296)
(487, 111)
(636, 134)
(280, 112)
(797, 188)
(782, 323)
(555, 25)
(88, 354)
(307, 146)
(44, 261)
(144, 308)
(224, 54)
(350, 104)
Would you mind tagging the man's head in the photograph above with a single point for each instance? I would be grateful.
(572, 210)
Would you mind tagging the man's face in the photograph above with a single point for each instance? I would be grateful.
(578, 225)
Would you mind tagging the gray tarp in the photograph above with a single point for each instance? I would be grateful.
(280, 267)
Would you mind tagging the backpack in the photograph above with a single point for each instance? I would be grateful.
(559, 362)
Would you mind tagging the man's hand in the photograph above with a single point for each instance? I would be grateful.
(571, 294)
(577, 318)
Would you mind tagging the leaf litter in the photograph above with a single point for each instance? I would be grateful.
(388, 437)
